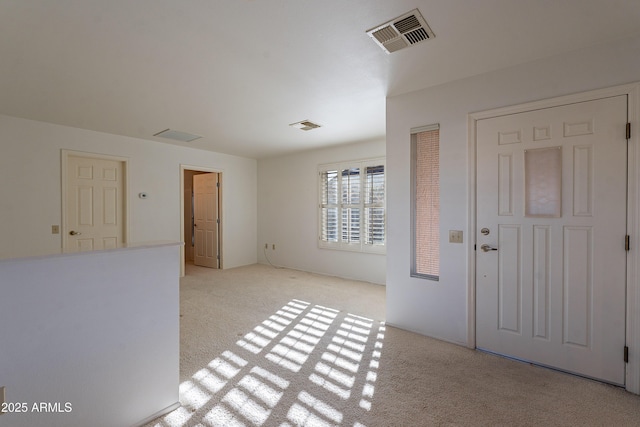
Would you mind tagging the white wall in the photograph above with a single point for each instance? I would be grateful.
(30, 195)
(439, 309)
(288, 214)
(81, 329)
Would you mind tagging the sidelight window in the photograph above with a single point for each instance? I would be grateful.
(425, 200)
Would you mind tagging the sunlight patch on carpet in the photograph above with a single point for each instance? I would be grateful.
(316, 359)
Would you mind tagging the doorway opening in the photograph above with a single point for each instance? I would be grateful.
(200, 217)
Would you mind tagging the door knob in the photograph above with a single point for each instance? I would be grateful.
(75, 233)
(487, 248)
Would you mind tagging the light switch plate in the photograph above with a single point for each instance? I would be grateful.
(455, 236)
(55, 229)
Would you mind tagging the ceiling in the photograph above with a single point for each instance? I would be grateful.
(238, 72)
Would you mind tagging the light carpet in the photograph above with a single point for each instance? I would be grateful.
(275, 347)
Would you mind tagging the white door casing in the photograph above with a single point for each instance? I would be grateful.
(554, 290)
(206, 220)
(94, 212)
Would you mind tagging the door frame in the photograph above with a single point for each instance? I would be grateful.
(64, 182)
(632, 376)
(205, 169)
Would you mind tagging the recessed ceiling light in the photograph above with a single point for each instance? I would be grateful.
(177, 135)
(305, 125)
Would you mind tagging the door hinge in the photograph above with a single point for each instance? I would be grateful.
(474, 247)
(627, 243)
(628, 130)
(218, 184)
(218, 257)
(218, 220)
(626, 354)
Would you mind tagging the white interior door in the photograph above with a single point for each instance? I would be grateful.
(551, 216)
(94, 203)
(206, 219)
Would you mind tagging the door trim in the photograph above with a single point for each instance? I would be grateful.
(184, 168)
(632, 379)
(64, 163)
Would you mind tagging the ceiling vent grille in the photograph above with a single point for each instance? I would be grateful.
(305, 125)
(404, 31)
(177, 135)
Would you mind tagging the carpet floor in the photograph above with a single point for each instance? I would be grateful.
(262, 346)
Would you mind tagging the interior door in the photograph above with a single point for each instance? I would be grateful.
(206, 219)
(94, 203)
(551, 226)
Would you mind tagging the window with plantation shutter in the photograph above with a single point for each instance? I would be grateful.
(352, 206)
(425, 200)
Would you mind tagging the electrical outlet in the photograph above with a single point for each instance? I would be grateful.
(55, 229)
(273, 247)
(455, 236)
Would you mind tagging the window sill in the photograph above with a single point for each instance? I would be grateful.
(365, 249)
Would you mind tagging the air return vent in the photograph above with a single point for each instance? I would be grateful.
(404, 31)
(305, 125)
(177, 135)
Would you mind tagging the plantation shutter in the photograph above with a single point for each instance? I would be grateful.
(351, 205)
(374, 210)
(329, 206)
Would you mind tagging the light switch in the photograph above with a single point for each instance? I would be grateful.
(55, 229)
(455, 236)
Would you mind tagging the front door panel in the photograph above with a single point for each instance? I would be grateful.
(550, 281)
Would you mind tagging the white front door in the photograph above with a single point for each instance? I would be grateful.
(551, 226)
(206, 219)
(94, 205)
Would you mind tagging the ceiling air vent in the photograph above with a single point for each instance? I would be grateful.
(177, 135)
(404, 31)
(305, 125)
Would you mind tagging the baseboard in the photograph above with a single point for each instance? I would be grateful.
(322, 274)
(415, 331)
(158, 414)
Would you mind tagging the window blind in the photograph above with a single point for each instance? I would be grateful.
(426, 202)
